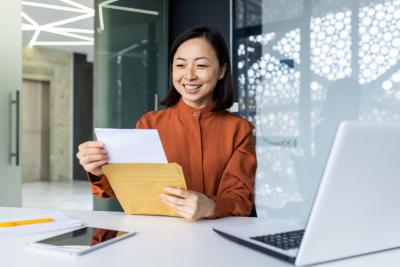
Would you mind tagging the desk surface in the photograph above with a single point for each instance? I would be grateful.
(160, 241)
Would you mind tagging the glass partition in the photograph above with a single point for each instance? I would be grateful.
(302, 67)
(10, 84)
(130, 68)
(130, 60)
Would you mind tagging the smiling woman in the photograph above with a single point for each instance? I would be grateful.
(214, 147)
(200, 57)
(196, 71)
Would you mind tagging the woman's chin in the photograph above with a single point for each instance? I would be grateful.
(192, 96)
(190, 99)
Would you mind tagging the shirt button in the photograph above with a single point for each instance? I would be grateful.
(195, 114)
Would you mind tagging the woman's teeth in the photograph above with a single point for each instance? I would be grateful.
(192, 86)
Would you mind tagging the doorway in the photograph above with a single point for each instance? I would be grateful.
(35, 134)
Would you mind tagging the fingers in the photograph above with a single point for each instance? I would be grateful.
(93, 167)
(93, 151)
(173, 200)
(183, 202)
(189, 211)
(91, 144)
(189, 215)
(185, 211)
(178, 192)
(189, 204)
(90, 147)
(91, 156)
(180, 197)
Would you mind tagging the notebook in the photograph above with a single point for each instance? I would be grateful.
(61, 222)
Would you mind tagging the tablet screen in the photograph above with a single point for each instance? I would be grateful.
(83, 239)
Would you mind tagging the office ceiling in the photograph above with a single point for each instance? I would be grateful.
(59, 24)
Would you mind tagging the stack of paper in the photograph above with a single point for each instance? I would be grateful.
(61, 221)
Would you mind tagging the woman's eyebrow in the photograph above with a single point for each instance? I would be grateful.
(180, 58)
(197, 58)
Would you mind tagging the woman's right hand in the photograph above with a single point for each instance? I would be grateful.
(92, 156)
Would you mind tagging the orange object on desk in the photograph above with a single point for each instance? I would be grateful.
(25, 222)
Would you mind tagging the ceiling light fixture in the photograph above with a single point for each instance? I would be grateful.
(63, 43)
(80, 6)
(69, 20)
(52, 27)
(107, 4)
(75, 30)
(65, 33)
(34, 24)
(29, 19)
(55, 7)
(61, 31)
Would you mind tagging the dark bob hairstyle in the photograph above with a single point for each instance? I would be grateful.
(223, 92)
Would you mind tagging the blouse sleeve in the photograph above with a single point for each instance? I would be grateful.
(235, 195)
(100, 185)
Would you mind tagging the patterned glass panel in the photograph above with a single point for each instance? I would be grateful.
(301, 68)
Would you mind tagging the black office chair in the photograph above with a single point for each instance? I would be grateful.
(253, 212)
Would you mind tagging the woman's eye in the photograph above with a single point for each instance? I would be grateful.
(202, 66)
(179, 65)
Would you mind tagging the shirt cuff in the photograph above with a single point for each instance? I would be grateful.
(223, 207)
(94, 178)
(100, 186)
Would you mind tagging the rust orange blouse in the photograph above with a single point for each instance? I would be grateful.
(215, 149)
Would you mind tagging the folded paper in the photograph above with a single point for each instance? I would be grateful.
(138, 186)
(120, 143)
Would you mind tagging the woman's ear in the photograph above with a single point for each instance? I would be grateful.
(222, 72)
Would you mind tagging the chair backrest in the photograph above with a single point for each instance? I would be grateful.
(253, 212)
(106, 204)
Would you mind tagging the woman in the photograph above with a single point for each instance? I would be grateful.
(214, 147)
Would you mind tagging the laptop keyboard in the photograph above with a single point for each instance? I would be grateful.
(285, 241)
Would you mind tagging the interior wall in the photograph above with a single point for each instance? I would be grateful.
(185, 14)
(55, 67)
(35, 131)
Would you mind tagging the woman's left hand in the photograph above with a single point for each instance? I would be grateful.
(189, 204)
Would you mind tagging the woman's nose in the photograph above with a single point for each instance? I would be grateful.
(190, 73)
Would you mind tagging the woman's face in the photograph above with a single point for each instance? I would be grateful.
(195, 72)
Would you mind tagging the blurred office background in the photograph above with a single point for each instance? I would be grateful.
(300, 67)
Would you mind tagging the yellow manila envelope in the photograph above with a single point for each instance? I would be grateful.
(138, 186)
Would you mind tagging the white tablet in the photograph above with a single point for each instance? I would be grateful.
(80, 241)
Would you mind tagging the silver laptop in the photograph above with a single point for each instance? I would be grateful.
(356, 209)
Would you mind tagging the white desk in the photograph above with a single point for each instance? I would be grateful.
(160, 241)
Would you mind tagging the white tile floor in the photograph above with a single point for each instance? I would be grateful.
(69, 195)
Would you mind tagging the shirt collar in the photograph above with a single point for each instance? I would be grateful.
(187, 111)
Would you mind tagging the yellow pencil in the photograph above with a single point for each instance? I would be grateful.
(25, 222)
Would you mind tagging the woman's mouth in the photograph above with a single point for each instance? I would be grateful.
(191, 88)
